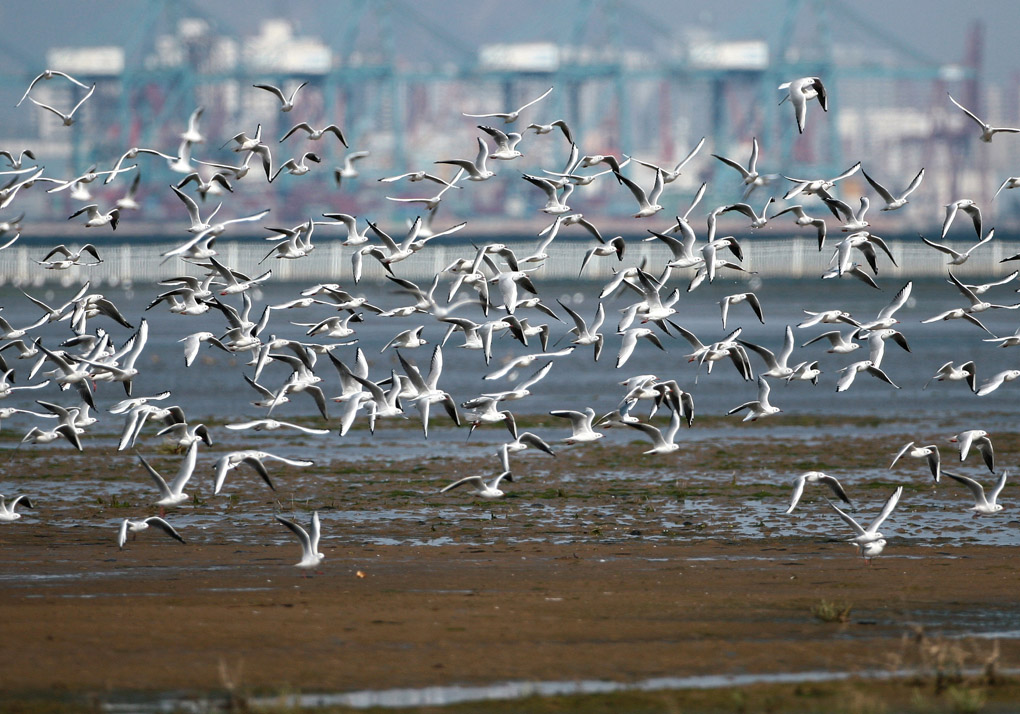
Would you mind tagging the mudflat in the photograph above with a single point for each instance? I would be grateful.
(600, 564)
(87, 618)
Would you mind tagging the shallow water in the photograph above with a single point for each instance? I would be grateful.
(448, 695)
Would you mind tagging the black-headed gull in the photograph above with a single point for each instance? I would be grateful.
(662, 441)
(476, 170)
(548, 128)
(7, 513)
(286, 103)
(929, 452)
(1010, 182)
(816, 477)
(671, 175)
(894, 202)
(511, 116)
(983, 504)
(505, 143)
(136, 527)
(759, 407)
(803, 219)
(799, 91)
(348, 170)
(581, 424)
(98, 218)
(751, 178)
(66, 119)
(997, 381)
(840, 344)
(315, 134)
(310, 555)
(987, 130)
(979, 439)
(869, 540)
(777, 364)
(46, 75)
(70, 258)
(172, 494)
(647, 202)
(757, 220)
(481, 489)
(955, 256)
(971, 209)
(950, 372)
(254, 459)
(852, 220)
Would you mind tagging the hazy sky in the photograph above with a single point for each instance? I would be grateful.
(937, 28)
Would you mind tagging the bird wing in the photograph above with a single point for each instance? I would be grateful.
(973, 486)
(273, 90)
(186, 470)
(163, 525)
(475, 481)
(999, 485)
(849, 520)
(733, 164)
(160, 482)
(533, 101)
(914, 184)
(966, 111)
(301, 533)
(906, 447)
(880, 189)
(798, 491)
(886, 510)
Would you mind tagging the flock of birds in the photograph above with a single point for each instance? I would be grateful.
(489, 296)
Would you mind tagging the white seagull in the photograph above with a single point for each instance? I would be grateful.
(581, 423)
(310, 555)
(929, 453)
(67, 119)
(815, 477)
(510, 117)
(759, 407)
(287, 103)
(982, 504)
(971, 209)
(949, 371)
(956, 257)
(979, 439)
(489, 490)
(7, 513)
(172, 494)
(894, 202)
(136, 527)
(987, 130)
(799, 91)
(50, 74)
(869, 540)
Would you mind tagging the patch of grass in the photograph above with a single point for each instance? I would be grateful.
(831, 611)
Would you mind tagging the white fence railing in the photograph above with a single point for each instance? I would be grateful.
(787, 258)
